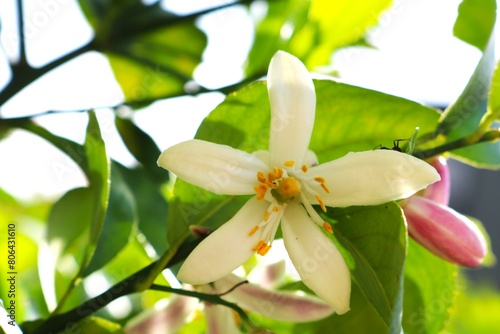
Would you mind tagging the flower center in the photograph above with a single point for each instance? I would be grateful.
(279, 188)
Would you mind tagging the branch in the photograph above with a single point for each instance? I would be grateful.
(129, 285)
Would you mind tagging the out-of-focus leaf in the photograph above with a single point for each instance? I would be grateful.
(475, 309)
(119, 224)
(152, 208)
(99, 174)
(430, 285)
(494, 95)
(282, 17)
(341, 23)
(462, 117)
(69, 219)
(152, 52)
(376, 239)
(142, 147)
(94, 325)
(475, 22)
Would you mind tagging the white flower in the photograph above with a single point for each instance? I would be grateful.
(287, 181)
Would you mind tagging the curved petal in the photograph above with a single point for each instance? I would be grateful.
(371, 178)
(225, 249)
(168, 319)
(440, 191)
(217, 168)
(293, 105)
(444, 232)
(318, 262)
(282, 306)
(220, 320)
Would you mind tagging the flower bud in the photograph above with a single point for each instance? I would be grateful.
(444, 232)
(439, 191)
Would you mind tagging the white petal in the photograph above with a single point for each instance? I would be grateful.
(225, 249)
(318, 262)
(293, 106)
(217, 168)
(372, 177)
(282, 305)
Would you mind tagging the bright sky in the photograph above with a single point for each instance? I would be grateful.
(417, 58)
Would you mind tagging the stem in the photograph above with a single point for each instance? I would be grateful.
(214, 299)
(20, 28)
(23, 74)
(489, 136)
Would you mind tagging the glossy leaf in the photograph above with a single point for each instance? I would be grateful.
(99, 173)
(146, 47)
(119, 224)
(142, 147)
(375, 237)
(494, 95)
(430, 284)
(475, 22)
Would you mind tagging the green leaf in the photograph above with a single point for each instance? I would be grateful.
(99, 173)
(494, 95)
(119, 224)
(462, 117)
(146, 47)
(142, 147)
(341, 23)
(375, 237)
(95, 325)
(430, 285)
(475, 22)
(152, 208)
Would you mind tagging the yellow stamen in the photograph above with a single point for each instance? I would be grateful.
(275, 209)
(254, 229)
(261, 190)
(321, 203)
(322, 182)
(264, 249)
(258, 246)
(289, 163)
(289, 187)
(266, 216)
(261, 178)
(304, 168)
(328, 227)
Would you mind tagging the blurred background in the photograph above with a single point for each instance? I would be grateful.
(411, 57)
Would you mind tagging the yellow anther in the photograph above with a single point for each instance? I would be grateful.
(264, 249)
(258, 246)
(289, 163)
(254, 229)
(322, 182)
(289, 187)
(266, 216)
(328, 227)
(275, 209)
(261, 177)
(304, 168)
(261, 190)
(321, 203)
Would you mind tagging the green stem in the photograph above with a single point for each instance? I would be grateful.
(489, 136)
(211, 298)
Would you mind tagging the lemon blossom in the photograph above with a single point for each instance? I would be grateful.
(287, 181)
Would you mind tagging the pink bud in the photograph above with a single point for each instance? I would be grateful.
(439, 191)
(444, 232)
